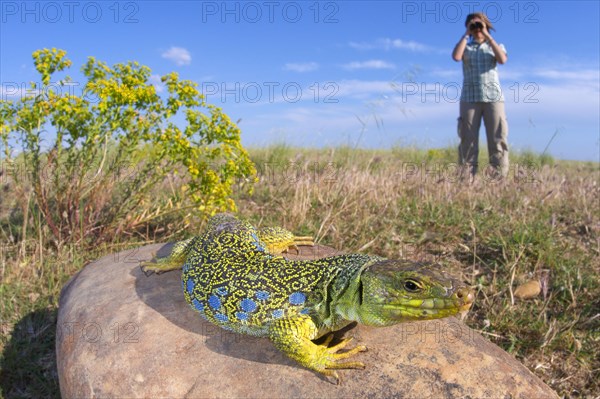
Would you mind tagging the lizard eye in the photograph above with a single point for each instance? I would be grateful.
(411, 286)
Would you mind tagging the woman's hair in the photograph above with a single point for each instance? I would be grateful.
(481, 16)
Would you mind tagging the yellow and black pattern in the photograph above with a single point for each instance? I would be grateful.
(233, 280)
(233, 276)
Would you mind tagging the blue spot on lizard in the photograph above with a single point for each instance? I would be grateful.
(242, 315)
(221, 317)
(234, 276)
(262, 295)
(248, 305)
(297, 298)
(198, 305)
(190, 286)
(214, 302)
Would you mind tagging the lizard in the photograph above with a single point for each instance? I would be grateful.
(235, 276)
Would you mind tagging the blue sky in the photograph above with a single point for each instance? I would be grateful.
(360, 73)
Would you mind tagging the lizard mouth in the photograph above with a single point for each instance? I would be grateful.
(466, 296)
(459, 302)
(462, 299)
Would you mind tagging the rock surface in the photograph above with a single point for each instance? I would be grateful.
(121, 333)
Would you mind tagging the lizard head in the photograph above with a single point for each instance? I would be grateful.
(392, 291)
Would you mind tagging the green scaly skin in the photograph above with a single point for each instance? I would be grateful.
(234, 276)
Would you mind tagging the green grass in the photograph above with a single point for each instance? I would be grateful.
(542, 222)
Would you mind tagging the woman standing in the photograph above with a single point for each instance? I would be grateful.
(481, 95)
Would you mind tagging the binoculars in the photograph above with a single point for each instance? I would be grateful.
(476, 25)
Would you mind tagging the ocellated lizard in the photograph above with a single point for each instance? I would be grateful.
(235, 277)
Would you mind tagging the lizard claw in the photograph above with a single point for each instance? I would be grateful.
(330, 356)
(162, 266)
(148, 267)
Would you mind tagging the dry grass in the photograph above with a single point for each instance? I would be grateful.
(541, 223)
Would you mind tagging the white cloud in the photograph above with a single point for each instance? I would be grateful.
(406, 45)
(371, 64)
(429, 119)
(362, 45)
(13, 90)
(566, 101)
(562, 74)
(510, 73)
(388, 44)
(453, 74)
(377, 113)
(591, 75)
(157, 83)
(338, 91)
(301, 67)
(364, 89)
(178, 55)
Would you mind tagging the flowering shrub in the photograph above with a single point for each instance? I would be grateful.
(118, 157)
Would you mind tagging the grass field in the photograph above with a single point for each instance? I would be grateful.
(542, 223)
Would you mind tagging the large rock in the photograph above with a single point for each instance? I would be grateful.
(121, 333)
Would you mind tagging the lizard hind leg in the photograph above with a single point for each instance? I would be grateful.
(279, 240)
(174, 261)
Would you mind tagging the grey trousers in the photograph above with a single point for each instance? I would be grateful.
(496, 129)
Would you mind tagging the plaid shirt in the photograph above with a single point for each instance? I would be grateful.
(480, 83)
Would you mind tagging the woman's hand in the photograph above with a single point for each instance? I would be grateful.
(499, 54)
(459, 49)
(485, 32)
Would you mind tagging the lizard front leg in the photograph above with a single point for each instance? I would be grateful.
(293, 336)
(174, 261)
